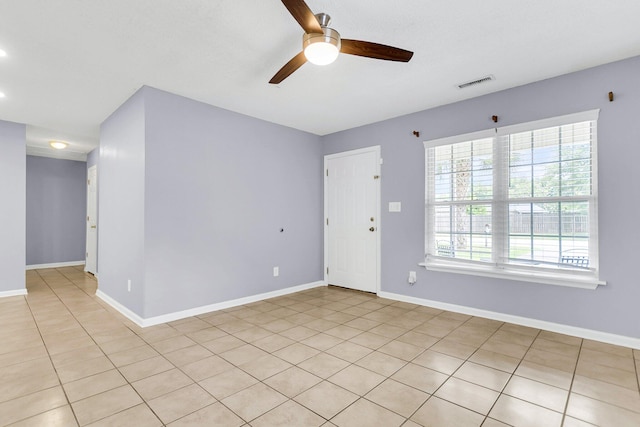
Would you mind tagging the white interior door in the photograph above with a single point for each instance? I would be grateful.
(91, 262)
(352, 219)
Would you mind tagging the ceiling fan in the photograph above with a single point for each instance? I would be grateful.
(321, 44)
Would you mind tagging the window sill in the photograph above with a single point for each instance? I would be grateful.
(559, 278)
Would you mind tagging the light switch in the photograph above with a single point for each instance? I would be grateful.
(395, 206)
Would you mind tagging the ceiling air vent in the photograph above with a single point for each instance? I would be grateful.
(476, 82)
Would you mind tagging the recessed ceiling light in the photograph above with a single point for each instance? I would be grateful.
(2, 53)
(2, 95)
(58, 145)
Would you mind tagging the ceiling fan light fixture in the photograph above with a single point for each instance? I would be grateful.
(321, 49)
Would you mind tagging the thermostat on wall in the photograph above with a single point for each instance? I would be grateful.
(395, 206)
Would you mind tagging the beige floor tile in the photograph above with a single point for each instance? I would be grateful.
(607, 348)
(544, 374)
(181, 402)
(95, 384)
(468, 395)
(296, 353)
(76, 356)
(322, 341)
(453, 348)
(607, 374)
(206, 368)
(11, 388)
(172, 344)
(423, 379)
(419, 340)
(349, 351)
(552, 360)
(438, 362)
(100, 406)
(356, 379)
(299, 333)
(212, 415)
(364, 413)
(292, 382)
(146, 368)
(254, 401)
(223, 344)
(235, 326)
(388, 331)
(120, 344)
(33, 404)
(608, 359)
(139, 416)
(160, 384)
(289, 414)
(279, 325)
(273, 343)
(59, 417)
(610, 393)
(381, 363)
(541, 394)
(518, 412)
(483, 376)
(490, 422)
(253, 334)
(397, 397)
(133, 355)
(370, 340)
(76, 371)
(565, 339)
(498, 361)
(227, 383)
(573, 422)
(265, 366)
(326, 399)
(243, 354)
(510, 337)
(600, 413)
(323, 330)
(508, 349)
(205, 335)
(323, 365)
(440, 413)
(187, 355)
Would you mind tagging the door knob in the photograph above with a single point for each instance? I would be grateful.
(372, 229)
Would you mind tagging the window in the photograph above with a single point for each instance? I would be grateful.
(516, 202)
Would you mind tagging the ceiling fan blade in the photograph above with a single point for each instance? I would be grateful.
(305, 17)
(288, 69)
(375, 50)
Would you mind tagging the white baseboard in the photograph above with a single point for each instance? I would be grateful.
(55, 265)
(523, 321)
(170, 317)
(17, 292)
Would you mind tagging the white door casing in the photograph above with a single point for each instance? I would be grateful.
(91, 262)
(352, 219)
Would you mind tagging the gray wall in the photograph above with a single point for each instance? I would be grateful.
(13, 137)
(56, 210)
(610, 309)
(121, 213)
(217, 188)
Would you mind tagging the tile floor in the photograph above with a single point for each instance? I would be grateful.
(323, 357)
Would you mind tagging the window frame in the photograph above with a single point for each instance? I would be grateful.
(500, 266)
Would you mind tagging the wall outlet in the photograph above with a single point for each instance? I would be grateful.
(129, 285)
(412, 277)
(276, 271)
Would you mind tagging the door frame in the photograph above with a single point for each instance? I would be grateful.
(376, 150)
(88, 224)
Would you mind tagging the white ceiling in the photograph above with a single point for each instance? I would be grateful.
(71, 63)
